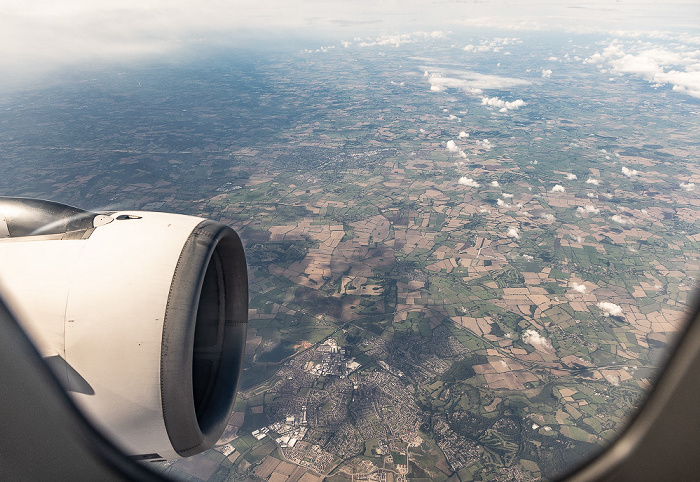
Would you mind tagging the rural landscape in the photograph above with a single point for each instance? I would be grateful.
(468, 256)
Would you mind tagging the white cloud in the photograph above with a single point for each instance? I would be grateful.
(462, 154)
(463, 135)
(452, 147)
(507, 195)
(688, 187)
(588, 209)
(611, 51)
(650, 65)
(396, 40)
(558, 188)
(494, 184)
(619, 219)
(610, 309)
(571, 177)
(581, 288)
(537, 340)
(513, 233)
(595, 182)
(468, 181)
(503, 105)
(546, 73)
(468, 81)
(629, 172)
(501, 203)
(675, 65)
(495, 45)
(548, 217)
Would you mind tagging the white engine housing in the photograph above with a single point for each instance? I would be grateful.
(141, 315)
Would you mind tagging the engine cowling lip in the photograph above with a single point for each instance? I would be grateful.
(187, 434)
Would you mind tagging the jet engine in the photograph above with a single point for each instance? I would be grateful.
(142, 317)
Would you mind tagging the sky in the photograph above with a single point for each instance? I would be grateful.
(38, 36)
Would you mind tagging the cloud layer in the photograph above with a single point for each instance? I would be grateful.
(468, 81)
(495, 45)
(659, 64)
(44, 33)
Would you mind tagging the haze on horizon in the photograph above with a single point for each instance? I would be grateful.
(43, 35)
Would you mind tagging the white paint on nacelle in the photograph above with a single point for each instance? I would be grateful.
(100, 303)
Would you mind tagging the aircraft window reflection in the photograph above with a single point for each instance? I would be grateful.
(470, 247)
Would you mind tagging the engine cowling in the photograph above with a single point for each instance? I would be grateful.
(141, 315)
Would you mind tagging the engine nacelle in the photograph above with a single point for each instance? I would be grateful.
(141, 315)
